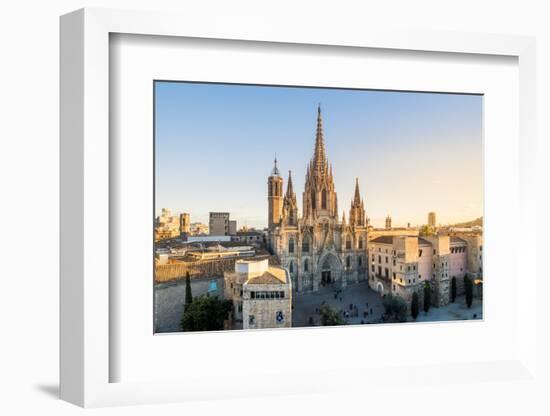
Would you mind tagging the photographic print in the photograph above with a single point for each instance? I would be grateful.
(280, 207)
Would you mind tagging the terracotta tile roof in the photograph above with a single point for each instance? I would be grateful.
(383, 239)
(457, 240)
(268, 278)
(388, 239)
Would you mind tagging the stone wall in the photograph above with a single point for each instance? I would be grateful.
(199, 268)
(265, 310)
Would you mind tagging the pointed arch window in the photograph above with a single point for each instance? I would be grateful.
(360, 261)
(291, 245)
(291, 219)
(348, 262)
(348, 243)
(291, 267)
(305, 245)
(324, 199)
(306, 265)
(361, 243)
(313, 199)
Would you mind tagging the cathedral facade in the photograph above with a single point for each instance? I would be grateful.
(317, 247)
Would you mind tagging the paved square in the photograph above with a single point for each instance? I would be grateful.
(359, 296)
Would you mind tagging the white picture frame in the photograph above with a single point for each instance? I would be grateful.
(85, 347)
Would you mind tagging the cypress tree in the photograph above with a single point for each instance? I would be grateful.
(469, 291)
(427, 297)
(188, 295)
(414, 306)
(453, 289)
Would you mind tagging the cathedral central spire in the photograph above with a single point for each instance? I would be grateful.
(319, 157)
(319, 198)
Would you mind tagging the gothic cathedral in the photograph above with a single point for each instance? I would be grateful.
(317, 248)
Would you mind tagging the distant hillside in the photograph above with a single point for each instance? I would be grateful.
(477, 221)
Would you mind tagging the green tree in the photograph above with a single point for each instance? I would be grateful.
(205, 313)
(427, 230)
(414, 306)
(387, 302)
(395, 308)
(427, 297)
(188, 294)
(453, 289)
(330, 316)
(469, 291)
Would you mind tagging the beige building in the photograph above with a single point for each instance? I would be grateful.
(378, 232)
(167, 225)
(401, 265)
(475, 253)
(185, 223)
(232, 227)
(431, 219)
(319, 247)
(255, 237)
(261, 295)
(219, 223)
(198, 228)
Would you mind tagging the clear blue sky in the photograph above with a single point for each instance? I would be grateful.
(412, 152)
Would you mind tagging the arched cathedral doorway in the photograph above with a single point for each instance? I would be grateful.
(330, 270)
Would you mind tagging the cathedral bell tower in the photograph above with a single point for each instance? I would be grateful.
(275, 196)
